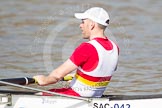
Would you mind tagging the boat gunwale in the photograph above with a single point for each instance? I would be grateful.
(110, 97)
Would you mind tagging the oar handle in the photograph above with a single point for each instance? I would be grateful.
(20, 81)
(67, 78)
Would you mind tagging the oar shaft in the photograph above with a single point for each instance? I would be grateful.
(21, 81)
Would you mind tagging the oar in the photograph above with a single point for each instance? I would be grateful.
(20, 81)
(67, 78)
(40, 90)
(26, 80)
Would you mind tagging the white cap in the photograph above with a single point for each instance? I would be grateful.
(96, 14)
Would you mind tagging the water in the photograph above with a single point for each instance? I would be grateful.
(37, 36)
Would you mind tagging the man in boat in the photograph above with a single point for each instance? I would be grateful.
(94, 61)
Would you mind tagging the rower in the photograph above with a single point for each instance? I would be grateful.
(94, 60)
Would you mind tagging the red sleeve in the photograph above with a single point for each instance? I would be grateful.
(81, 54)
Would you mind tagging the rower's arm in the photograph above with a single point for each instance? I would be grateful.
(57, 74)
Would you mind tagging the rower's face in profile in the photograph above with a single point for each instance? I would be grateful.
(84, 26)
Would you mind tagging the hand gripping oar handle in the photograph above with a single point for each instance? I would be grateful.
(20, 81)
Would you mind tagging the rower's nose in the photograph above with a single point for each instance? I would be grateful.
(81, 25)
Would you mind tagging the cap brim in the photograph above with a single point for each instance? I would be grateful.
(80, 16)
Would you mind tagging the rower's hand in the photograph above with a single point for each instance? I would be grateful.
(43, 80)
(40, 80)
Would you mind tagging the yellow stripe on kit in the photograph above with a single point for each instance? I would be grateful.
(91, 83)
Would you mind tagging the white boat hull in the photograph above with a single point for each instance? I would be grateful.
(32, 101)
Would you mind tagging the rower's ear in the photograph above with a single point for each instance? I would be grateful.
(92, 25)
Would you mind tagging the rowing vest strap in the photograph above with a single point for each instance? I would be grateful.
(94, 83)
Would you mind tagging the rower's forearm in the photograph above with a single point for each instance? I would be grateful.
(44, 80)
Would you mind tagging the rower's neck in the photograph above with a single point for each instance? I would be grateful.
(97, 33)
(97, 36)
